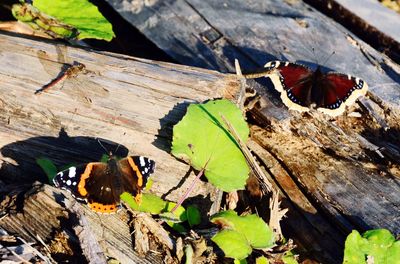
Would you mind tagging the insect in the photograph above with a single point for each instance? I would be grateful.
(302, 88)
(70, 72)
(100, 184)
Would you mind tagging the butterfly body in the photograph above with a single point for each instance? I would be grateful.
(101, 184)
(302, 88)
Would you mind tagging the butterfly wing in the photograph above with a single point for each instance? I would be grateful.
(293, 81)
(102, 194)
(135, 171)
(340, 90)
(70, 179)
(101, 184)
(91, 182)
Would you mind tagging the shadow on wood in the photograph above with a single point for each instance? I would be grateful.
(20, 156)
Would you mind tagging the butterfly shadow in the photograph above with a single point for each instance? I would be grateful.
(19, 158)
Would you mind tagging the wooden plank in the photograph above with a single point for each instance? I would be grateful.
(369, 20)
(122, 100)
(385, 20)
(335, 163)
(211, 34)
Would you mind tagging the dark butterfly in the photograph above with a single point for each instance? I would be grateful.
(302, 88)
(101, 184)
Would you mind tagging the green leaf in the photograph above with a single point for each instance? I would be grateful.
(48, 167)
(379, 244)
(149, 184)
(262, 260)
(289, 258)
(170, 217)
(379, 238)
(379, 241)
(180, 211)
(153, 204)
(239, 261)
(104, 158)
(256, 231)
(81, 14)
(352, 250)
(393, 253)
(193, 215)
(202, 139)
(233, 243)
(40, 21)
(177, 227)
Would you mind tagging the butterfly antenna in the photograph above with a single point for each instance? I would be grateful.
(314, 55)
(70, 120)
(333, 52)
(106, 150)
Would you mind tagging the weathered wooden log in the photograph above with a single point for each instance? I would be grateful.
(122, 101)
(370, 20)
(340, 173)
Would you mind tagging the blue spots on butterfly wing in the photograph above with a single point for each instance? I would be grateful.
(293, 98)
(336, 105)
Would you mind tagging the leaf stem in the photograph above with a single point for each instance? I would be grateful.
(185, 195)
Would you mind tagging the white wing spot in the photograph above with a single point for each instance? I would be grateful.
(146, 170)
(74, 183)
(69, 182)
(142, 162)
(72, 172)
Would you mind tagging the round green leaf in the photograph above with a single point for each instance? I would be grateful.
(379, 241)
(239, 261)
(180, 211)
(256, 231)
(150, 203)
(379, 244)
(81, 14)
(177, 227)
(202, 139)
(193, 215)
(393, 253)
(379, 237)
(352, 251)
(262, 260)
(289, 258)
(233, 244)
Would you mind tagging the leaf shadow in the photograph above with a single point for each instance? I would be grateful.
(163, 138)
(179, 185)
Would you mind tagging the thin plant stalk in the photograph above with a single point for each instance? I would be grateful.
(186, 194)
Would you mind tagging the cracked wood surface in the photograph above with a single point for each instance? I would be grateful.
(377, 15)
(121, 100)
(336, 174)
(369, 19)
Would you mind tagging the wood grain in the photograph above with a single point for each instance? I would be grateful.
(333, 171)
(120, 100)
